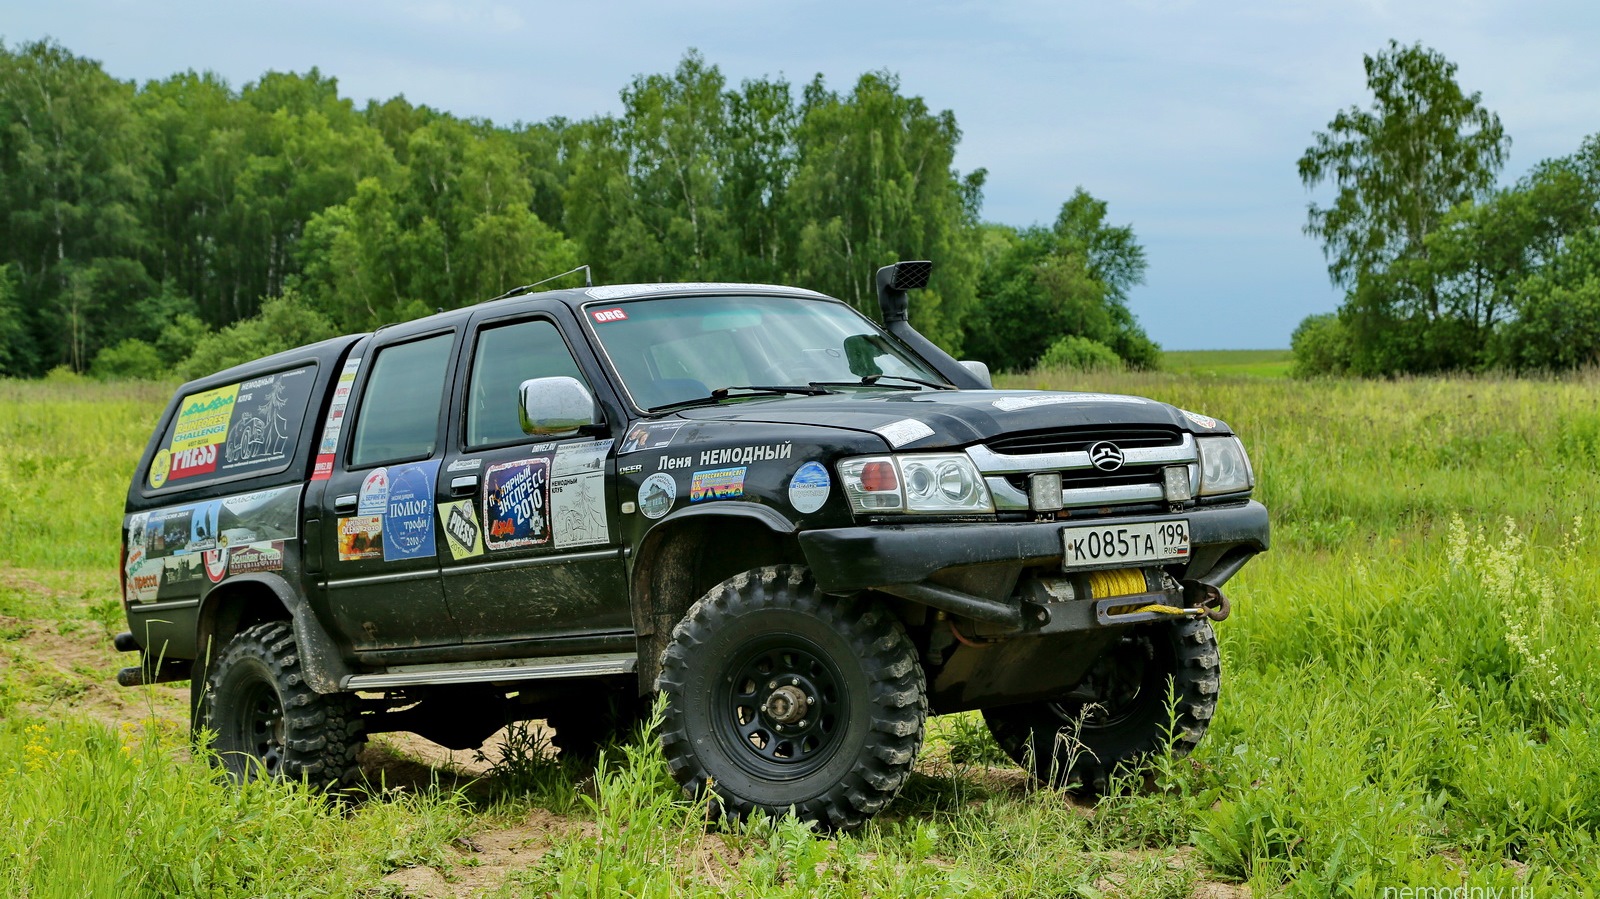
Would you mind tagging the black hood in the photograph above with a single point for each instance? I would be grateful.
(958, 417)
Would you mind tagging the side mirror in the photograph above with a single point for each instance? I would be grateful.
(980, 371)
(555, 407)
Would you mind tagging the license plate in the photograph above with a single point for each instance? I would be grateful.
(1152, 541)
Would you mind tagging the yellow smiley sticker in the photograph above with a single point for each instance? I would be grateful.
(159, 467)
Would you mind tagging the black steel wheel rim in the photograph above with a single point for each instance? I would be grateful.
(1121, 682)
(258, 725)
(781, 707)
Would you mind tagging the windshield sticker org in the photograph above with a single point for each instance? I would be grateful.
(578, 510)
(720, 483)
(461, 531)
(650, 436)
(1018, 403)
(334, 423)
(657, 494)
(809, 488)
(516, 504)
(408, 522)
(906, 430)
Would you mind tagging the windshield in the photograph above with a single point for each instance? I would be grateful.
(671, 350)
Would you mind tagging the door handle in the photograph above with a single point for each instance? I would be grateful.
(464, 485)
(344, 505)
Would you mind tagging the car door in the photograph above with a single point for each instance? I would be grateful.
(532, 552)
(382, 549)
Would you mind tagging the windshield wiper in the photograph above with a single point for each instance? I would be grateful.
(721, 393)
(872, 380)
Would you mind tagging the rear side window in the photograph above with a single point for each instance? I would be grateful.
(248, 427)
(399, 414)
(507, 356)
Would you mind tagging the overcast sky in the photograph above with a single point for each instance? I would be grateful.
(1187, 117)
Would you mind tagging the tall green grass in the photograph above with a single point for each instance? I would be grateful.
(1409, 695)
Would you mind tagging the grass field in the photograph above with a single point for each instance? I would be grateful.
(1223, 363)
(1409, 692)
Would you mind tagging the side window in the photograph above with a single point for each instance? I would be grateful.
(506, 356)
(399, 414)
(248, 427)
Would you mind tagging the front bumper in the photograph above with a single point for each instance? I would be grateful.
(845, 560)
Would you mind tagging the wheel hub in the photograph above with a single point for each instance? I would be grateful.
(783, 707)
(786, 705)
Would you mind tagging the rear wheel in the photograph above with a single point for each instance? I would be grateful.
(781, 697)
(267, 723)
(1117, 718)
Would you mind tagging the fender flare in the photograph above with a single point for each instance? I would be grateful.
(321, 664)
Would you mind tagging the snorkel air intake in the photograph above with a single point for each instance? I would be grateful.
(893, 282)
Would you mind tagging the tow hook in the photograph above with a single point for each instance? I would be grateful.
(1210, 601)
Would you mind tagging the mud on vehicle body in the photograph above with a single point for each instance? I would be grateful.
(808, 531)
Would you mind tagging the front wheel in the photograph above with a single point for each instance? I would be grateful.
(1117, 718)
(781, 697)
(267, 723)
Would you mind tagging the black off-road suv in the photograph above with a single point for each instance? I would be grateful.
(807, 531)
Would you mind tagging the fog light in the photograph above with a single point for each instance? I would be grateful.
(1044, 491)
(1175, 484)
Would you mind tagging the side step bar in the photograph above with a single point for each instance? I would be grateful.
(532, 669)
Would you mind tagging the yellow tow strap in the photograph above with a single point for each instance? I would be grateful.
(1161, 609)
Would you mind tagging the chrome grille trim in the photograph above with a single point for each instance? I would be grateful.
(991, 462)
(1009, 499)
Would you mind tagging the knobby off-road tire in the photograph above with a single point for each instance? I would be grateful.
(268, 723)
(1081, 744)
(779, 696)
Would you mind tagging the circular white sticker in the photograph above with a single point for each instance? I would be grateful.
(657, 494)
(809, 487)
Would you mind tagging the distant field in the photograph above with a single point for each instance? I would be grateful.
(1252, 363)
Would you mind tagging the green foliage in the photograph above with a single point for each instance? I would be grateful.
(1441, 272)
(1321, 346)
(1070, 280)
(283, 324)
(1076, 353)
(132, 359)
(162, 213)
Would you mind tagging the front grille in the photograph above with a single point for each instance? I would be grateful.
(1075, 441)
(1007, 462)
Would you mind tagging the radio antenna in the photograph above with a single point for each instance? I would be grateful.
(519, 291)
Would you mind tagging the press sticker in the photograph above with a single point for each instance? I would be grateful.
(461, 531)
(1204, 421)
(809, 488)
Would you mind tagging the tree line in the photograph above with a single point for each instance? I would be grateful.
(1442, 269)
(183, 225)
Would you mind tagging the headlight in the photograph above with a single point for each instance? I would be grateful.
(1224, 467)
(920, 482)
